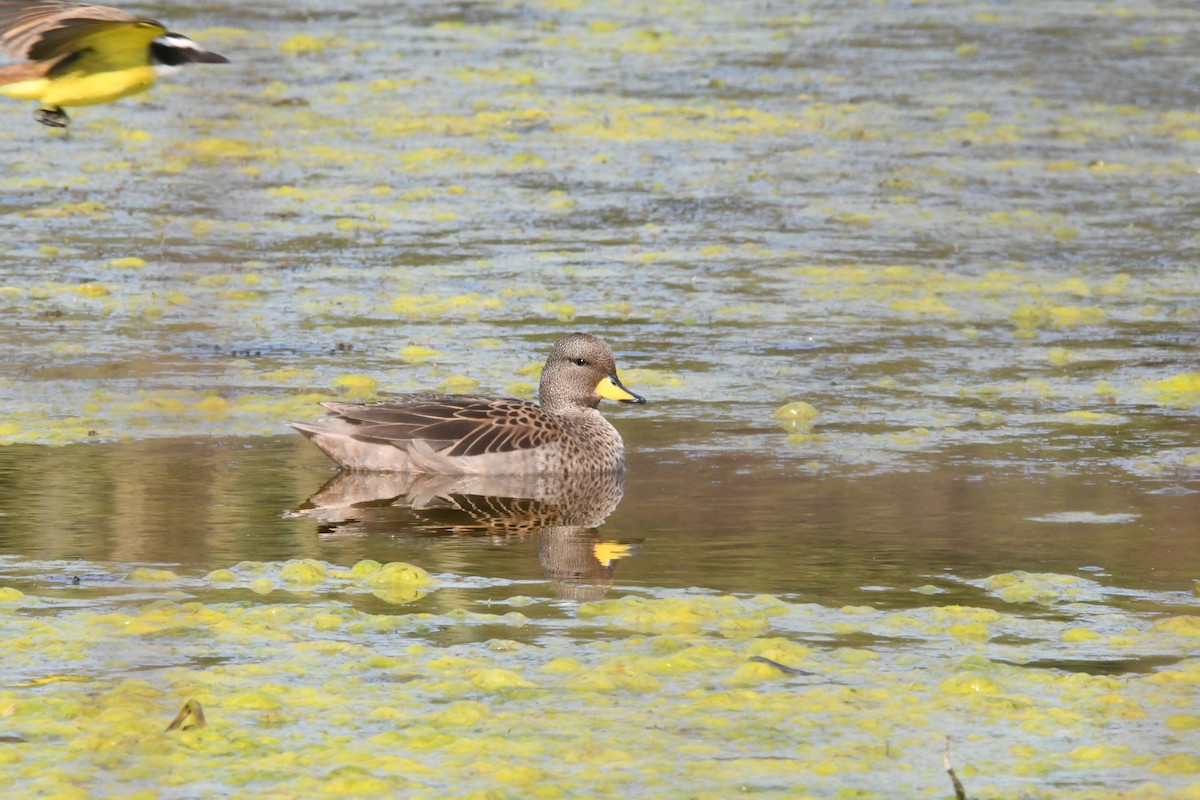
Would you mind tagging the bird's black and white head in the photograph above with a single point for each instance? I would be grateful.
(173, 50)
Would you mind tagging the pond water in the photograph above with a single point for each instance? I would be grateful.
(748, 523)
(913, 290)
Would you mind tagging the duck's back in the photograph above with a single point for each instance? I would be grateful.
(465, 434)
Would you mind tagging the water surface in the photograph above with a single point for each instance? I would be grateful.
(963, 235)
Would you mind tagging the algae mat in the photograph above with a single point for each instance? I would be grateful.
(676, 695)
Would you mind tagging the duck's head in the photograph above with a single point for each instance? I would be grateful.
(580, 371)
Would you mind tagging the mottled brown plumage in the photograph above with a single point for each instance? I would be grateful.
(463, 434)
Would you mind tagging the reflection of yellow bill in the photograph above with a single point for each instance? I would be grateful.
(46, 680)
(610, 388)
(608, 552)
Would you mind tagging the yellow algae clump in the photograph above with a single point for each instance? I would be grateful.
(1069, 316)
(10, 595)
(564, 665)
(304, 571)
(397, 574)
(521, 389)
(673, 615)
(1075, 286)
(159, 405)
(1093, 418)
(92, 290)
(784, 651)
(1179, 391)
(215, 148)
(1079, 635)
(349, 224)
(525, 160)
(753, 673)
(743, 627)
(969, 683)
(1185, 625)
(416, 354)
(1100, 754)
(564, 312)
(464, 713)
(356, 385)
(1028, 587)
(252, 701)
(856, 655)
(1183, 722)
(355, 785)
(294, 192)
(131, 262)
(1030, 318)
(430, 306)
(90, 208)
(797, 417)
(326, 622)
(650, 377)
(458, 384)
(926, 305)
(614, 676)
(302, 43)
(970, 632)
(1059, 356)
(368, 566)
(1178, 764)
(221, 576)
(491, 680)
(213, 406)
(148, 575)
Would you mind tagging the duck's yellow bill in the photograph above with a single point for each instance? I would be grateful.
(610, 388)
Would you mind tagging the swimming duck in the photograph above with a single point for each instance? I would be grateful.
(470, 435)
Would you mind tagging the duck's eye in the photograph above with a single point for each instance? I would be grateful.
(582, 362)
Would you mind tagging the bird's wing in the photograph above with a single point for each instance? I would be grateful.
(47, 29)
(469, 426)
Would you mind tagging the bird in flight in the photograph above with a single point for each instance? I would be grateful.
(81, 55)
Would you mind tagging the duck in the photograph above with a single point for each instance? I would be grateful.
(451, 434)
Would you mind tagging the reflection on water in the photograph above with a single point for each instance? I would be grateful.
(735, 523)
(1023, 614)
(559, 512)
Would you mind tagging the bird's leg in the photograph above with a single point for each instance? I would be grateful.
(54, 117)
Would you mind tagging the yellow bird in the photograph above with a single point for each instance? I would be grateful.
(81, 55)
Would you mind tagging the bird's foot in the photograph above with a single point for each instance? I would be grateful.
(54, 117)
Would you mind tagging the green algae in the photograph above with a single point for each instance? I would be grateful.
(337, 703)
(309, 713)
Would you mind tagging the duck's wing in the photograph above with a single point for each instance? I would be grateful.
(457, 425)
(47, 29)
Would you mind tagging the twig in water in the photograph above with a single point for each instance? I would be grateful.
(780, 667)
(959, 792)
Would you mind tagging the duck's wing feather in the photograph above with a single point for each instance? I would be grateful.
(468, 426)
(47, 29)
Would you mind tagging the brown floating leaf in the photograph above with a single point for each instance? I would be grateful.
(190, 709)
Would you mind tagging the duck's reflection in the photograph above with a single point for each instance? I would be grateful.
(563, 512)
